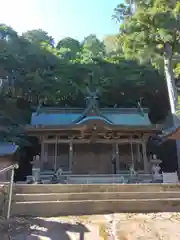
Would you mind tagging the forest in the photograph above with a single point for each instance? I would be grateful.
(127, 68)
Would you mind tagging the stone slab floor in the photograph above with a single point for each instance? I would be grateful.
(165, 226)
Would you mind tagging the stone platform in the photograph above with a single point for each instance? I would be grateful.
(47, 200)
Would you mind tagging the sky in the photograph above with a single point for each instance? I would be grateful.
(61, 18)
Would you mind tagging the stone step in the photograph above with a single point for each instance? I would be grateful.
(78, 188)
(94, 196)
(89, 207)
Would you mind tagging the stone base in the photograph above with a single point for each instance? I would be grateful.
(63, 199)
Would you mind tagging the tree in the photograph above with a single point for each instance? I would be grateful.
(151, 34)
(92, 47)
(41, 73)
(12, 121)
(112, 45)
(37, 36)
(7, 33)
(70, 47)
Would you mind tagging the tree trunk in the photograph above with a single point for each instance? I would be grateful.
(169, 74)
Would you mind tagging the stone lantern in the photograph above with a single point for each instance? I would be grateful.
(36, 169)
(155, 169)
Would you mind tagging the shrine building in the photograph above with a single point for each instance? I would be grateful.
(93, 140)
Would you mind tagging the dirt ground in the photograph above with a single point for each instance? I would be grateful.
(165, 226)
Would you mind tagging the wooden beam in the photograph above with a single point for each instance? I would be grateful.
(105, 141)
(77, 128)
(117, 158)
(70, 155)
(145, 159)
(55, 154)
(42, 149)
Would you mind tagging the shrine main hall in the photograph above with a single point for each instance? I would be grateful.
(92, 140)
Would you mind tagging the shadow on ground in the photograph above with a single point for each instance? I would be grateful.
(33, 229)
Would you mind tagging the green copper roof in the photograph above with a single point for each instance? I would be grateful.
(111, 116)
(126, 117)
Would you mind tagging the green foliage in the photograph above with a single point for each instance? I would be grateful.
(92, 47)
(113, 46)
(7, 33)
(12, 121)
(154, 24)
(37, 36)
(37, 70)
(69, 48)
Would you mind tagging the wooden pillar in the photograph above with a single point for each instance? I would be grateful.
(132, 153)
(42, 151)
(70, 155)
(55, 154)
(117, 158)
(145, 159)
(138, 152)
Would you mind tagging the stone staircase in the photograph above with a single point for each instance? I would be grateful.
(64, 199)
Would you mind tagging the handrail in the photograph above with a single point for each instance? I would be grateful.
(6, 169)
(10, 187)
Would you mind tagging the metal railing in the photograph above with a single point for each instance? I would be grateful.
(10, 185)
